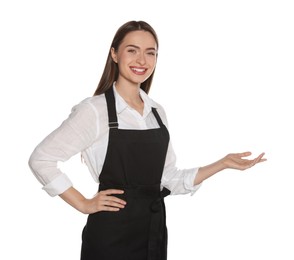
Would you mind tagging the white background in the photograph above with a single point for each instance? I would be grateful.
(225, 78)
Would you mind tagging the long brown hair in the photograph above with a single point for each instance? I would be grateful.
(110, 73)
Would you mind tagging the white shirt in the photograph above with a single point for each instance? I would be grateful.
(86, 130)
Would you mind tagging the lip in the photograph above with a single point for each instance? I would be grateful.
(138, 70)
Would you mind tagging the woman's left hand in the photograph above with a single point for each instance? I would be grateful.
(230, 161)
(236, 160)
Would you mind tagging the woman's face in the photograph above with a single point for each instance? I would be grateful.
(136, 57)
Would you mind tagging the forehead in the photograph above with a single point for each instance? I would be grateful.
(141, 39)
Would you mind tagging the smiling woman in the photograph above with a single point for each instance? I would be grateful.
(136, 60)
(111, 70)
(123, 137)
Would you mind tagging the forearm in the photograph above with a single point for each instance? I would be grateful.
(207, 171)
(74, 198)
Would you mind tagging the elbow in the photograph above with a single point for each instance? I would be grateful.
(32, 162)
(35, 165)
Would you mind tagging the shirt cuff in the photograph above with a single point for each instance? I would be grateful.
(58, 185)
(189, 181)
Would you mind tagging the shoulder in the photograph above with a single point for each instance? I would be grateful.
(95, 103)
(91, 114)
(90, 108)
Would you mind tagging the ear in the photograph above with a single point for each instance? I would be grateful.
(113, 54)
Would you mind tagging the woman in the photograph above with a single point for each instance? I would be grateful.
(124, 141)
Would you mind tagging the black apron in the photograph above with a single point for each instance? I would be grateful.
(134, 163)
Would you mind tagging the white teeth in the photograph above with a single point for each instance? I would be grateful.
(138, 70)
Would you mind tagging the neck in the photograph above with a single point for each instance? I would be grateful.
(130, 93)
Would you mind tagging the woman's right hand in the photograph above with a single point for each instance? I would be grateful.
(104, 201)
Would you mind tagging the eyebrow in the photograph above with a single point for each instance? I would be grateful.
(137, 47)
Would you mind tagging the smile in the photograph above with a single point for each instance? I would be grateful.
(138, 71)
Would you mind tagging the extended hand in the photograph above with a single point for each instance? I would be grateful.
(230, 161)
(236, 160)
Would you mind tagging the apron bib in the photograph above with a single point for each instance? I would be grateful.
(134, 162)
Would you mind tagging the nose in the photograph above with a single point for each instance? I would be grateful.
(141, 59)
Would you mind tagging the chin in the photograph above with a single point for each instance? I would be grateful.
(138, 82)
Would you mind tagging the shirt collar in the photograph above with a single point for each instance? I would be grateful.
(121, 104)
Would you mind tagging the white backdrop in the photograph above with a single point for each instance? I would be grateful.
(224, 76)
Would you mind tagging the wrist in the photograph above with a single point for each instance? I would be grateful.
(75, 199)
(209, 170)
(221, 164)
(85, 206)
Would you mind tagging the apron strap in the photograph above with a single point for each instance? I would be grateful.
(159, 121)
(112, 117)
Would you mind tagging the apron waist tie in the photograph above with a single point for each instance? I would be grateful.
(157, 241)
(157, 247)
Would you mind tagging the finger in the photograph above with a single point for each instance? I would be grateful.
(114, 204)
(240, 155)
(245, 154)
(258, 159)
(253, 161)
(108, 208)
(261, 157)
(263, 160)
(114, 199)
(112, 191)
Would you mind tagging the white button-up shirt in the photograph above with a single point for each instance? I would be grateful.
(86, 130)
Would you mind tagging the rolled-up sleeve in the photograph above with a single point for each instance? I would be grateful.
(74, 135)
(178, 181)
